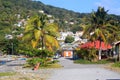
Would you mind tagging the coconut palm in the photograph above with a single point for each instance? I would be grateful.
(41, 33)
(99, 29)
(114, 30)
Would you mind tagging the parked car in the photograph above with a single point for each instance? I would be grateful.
(56, 56)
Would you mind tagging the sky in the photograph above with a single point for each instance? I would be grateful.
(86, 6)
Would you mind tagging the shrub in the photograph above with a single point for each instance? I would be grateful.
(87, 54)
(92, 54)
(37, 53)
(69, 39)
(34, 61)
(44, 53)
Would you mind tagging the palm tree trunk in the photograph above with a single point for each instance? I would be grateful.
(42, 43)
(100, 51)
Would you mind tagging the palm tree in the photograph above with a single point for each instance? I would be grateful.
(99, 29)
(41, 33)
(114, 30)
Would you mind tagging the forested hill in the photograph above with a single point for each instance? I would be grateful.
(10, 8)
(28, 6)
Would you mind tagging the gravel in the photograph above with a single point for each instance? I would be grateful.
(71, 71)
(16, 65)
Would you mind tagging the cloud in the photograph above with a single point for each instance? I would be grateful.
(111, 5)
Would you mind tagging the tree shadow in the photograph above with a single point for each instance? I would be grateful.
(3, 62)
(15, 64)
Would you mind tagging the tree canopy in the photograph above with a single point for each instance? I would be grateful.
(69, 39)
(41, 33)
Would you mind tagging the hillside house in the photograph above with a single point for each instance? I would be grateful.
(117, 49)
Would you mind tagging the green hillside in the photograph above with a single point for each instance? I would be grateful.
(67, 20)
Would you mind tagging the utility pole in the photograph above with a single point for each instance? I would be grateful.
(12, 48)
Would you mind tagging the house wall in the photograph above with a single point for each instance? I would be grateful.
(68, 54)
(117, 49)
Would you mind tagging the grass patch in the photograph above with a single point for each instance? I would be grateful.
(7, 74)
(24, 78)
(27, 66)
(81, 61)
(51, 64)
(55, 65)
(117, 64)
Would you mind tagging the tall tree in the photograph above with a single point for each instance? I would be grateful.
(41, 33)
(69, 39)
(99, 29)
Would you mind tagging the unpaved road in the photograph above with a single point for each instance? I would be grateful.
(71, 71)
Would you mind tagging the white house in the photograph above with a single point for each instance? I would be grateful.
(63, 35)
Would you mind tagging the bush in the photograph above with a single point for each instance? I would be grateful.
(92, 55)
(34, 61)
(87, 54)
(37, 53)
(69, 39)
(44, 53)
(82, 53)
(42, 61)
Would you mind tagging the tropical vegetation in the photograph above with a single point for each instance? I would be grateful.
(32, 30)
(69, 39)
(101, 29)
(41, 33)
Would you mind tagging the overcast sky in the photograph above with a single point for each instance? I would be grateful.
(86, 6)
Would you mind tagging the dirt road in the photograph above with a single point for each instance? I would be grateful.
(71, 71)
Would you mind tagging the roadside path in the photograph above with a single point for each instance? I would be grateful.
(71, 71)
(12, 65)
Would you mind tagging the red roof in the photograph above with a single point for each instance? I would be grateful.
(96, 44)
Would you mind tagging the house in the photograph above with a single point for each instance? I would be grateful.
(97, 45)
(63, 35)
(67, 51)
(76, 36)
(41, 11)
(117, 49)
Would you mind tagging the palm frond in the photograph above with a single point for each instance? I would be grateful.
(37, 34)
(34, 43)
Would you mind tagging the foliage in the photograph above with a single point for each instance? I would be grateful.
(28, 52)
(76, 28)
(117, 64)
(82, 53)
(100, 28)
(92, 55)
(81, 61)
(36, 53)
(10, 46)
(87, 54)
(14, 11)
(98, 25)
(34, 61)
(44, 63)
(10, 9)
(43, 33)
(69, 39)
(45, 53)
